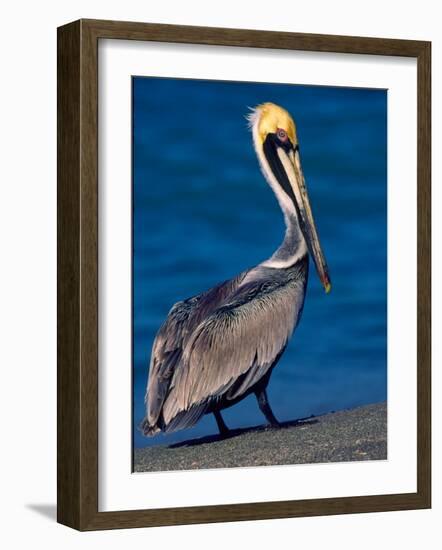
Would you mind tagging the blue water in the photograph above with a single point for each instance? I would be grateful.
(202, 213)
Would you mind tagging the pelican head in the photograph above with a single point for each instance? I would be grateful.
(276, 145)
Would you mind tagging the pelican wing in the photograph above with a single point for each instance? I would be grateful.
(233, 348)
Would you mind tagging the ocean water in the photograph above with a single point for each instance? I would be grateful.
(202, 212)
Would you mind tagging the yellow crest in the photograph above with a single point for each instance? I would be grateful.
(270, 117)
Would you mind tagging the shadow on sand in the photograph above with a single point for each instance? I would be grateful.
(235, 433)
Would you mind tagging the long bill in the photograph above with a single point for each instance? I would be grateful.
(288, 172)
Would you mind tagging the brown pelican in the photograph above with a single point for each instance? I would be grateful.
(216, 348)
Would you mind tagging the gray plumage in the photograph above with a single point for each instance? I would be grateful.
(216, 347)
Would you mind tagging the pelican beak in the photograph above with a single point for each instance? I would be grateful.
(285, 163)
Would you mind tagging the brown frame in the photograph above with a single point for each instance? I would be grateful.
(77, 224)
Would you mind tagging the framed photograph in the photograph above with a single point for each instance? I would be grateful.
(243, 274)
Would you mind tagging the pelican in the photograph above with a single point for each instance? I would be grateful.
(216, 348)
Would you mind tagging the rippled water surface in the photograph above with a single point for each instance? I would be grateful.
(202, 212)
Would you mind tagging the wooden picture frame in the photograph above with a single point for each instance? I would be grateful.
(78, 274)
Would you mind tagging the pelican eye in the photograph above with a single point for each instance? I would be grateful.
(281, 134)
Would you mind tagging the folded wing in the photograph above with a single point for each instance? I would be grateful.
(232, 349)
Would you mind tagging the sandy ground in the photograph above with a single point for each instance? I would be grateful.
(356, 434)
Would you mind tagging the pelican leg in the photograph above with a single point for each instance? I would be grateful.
(264, 405)
(222, 427)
